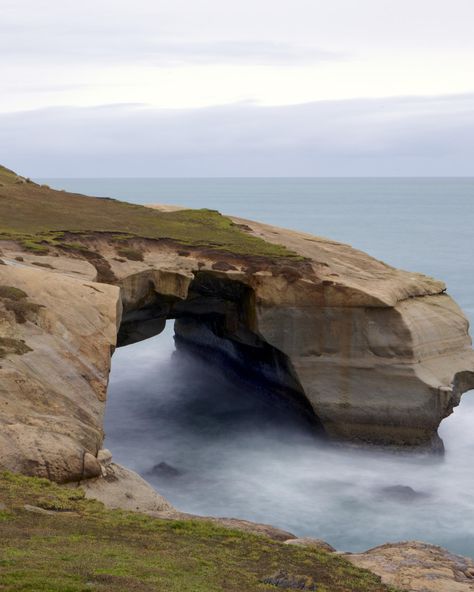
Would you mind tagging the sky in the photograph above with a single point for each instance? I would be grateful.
(230, 88)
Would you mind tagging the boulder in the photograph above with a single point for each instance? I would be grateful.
(121, 488)
(418, 567)
(163, 469)
(401, 493)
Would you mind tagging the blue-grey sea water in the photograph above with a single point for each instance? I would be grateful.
(236, 456)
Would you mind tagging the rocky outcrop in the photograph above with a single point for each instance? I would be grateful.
(118, 487)
(418, 567)
(382, 355)
(369, 353)
(53, 391)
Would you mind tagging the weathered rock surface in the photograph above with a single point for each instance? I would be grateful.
(372, 353)
(382, 354)
(418, 567)
(119, 487)
(52, 397)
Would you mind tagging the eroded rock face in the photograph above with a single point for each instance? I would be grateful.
(418, 567)
(376, 374)
(52, 396)
(375, 354)
(382, 354)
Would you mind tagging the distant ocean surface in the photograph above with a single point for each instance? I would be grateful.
(166, 407)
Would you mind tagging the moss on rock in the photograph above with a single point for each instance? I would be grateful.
(16, 301)
(9, 345)
(12, 293)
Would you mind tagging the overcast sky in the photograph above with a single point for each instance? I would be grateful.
(248, 87)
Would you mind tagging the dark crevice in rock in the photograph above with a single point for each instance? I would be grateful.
(216, 320)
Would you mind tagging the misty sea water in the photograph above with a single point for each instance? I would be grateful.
(236, 456)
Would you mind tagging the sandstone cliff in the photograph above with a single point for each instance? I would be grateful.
(371, 353)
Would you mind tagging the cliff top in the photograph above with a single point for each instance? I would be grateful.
(129, 238)
(37, 216)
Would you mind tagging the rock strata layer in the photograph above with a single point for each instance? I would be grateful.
(373, 354)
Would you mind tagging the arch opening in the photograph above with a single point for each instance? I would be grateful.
(216, 321)
(239, 469)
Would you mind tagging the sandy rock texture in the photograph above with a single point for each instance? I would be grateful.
(382, 354)
(57, 334)
(118, 487)
(374, 354)
(418, 567)
(371, 353)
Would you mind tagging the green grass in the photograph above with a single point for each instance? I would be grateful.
(37, 217)
(7, 176)
(84, 547)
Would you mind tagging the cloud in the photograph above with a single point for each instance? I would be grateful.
(191, 54)
(398, 136)
(129, 48)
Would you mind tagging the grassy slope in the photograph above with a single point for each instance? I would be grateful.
(31, 214)
(83, 547)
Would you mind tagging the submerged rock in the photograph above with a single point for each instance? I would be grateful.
(402, 493)
(165, 470)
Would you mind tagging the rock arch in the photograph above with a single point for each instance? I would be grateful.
(369, 372)
(215, 315)
(376, 354)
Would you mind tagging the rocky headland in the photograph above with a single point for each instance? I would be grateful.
(369, 353)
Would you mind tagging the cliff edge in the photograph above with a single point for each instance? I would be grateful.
(372, 354)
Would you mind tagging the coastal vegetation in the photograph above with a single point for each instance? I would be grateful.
(38, 217)
(53, 539)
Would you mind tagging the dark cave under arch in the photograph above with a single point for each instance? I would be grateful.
(216, 320)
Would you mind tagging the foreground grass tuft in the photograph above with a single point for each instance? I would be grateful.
(81, 546)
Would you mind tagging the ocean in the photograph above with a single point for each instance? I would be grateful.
(232, 453)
